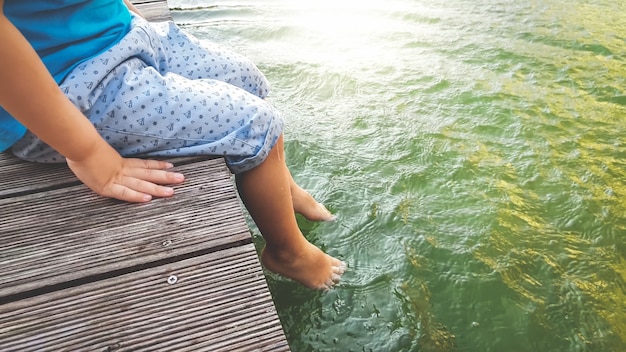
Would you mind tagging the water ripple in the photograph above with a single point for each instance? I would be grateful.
(473, 152)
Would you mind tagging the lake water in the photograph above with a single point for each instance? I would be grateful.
(474, 152)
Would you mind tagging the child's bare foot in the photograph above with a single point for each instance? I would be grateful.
(311, 267)
(307, 206)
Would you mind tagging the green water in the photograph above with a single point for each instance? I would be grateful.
(474, 152)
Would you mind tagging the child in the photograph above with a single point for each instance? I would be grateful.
(88, 83)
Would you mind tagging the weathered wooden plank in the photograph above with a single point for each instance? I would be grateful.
(219, 302)
(154, 10)
(69, 234)
(20, 177)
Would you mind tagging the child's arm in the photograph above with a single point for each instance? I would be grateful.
(30, 94)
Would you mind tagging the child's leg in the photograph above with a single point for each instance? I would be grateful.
(266, 193)
(192, 58)
(209, 60)
(305, 205)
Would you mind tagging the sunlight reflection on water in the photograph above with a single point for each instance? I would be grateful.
(474, 154)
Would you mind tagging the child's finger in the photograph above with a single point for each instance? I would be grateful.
(124, 193)
(131, 189)
(148, 164)
(157, 176)
(146, 187)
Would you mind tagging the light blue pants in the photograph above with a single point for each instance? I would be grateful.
(161, 92)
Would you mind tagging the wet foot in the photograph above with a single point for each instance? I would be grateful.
(305, 205)
(311, 267)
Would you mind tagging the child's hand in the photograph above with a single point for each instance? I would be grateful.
(132, 180)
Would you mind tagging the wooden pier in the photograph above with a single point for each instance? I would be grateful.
(83, 273)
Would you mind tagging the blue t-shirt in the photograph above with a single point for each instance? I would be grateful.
(64, 33)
